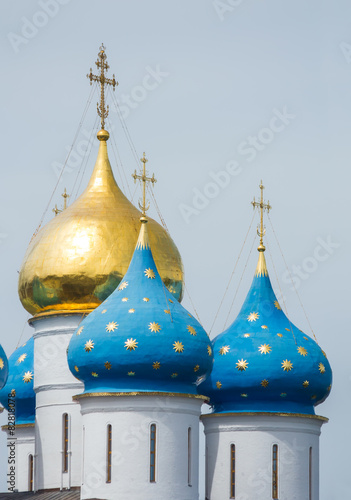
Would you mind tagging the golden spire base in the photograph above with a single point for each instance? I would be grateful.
(261, 269)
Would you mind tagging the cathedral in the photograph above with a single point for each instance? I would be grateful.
(106, 399)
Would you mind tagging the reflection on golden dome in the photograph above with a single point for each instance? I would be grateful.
(80, 256)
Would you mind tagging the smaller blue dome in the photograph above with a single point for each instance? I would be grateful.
(264, 363)
(4, 367)
(140, 339)
(20, 384)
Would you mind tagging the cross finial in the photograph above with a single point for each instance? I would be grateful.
(56, 210)
(261, 230)
(101, 63)
(65, 196)
(144, 179)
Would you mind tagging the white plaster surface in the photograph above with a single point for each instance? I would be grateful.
(131, 418)
(254, 437)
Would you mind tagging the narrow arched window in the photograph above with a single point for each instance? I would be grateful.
(30, 472)
(275, 472)
(109, 454)
(232, 471)
(189, 456)
(65, 443)
(153, 453)
(310, 474)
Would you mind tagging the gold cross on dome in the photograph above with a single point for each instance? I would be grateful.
(261, 230)
(65, 196)
(144, 179)
(101, 63)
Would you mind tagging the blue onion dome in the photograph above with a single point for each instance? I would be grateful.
(263, 362)
(140, 339)
(20, 384)
(4, 367)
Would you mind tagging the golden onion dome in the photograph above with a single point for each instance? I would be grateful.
(81, 255)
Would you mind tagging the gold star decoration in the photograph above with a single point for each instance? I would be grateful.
(125, 299)
(123, 285)
(94, 374)
(265, 383)
(191, 330)
(265, 349)
(89, 346)
(27, 377)
(1, 364)
(209, 350)
(131, 311)
(242, 364)
(224, 349)
(305, 384)
(321, 368)
(79, 331)
(243, 395)
(178, 346)
(154, 327)
(174, 375)
(156, 365)
(103, 312)
(21, 358)
(302, 351)
(107, 365)
(76, 368)
(111, 326)
(277, 305)
(246, 335)
(287, 365)
(196, 368)
(253, 316)
(150, 273)
(279, 334)
(131, 344)
(146, 299)
(167, 311)
(131, 374)
(218, 384)
(265, 327)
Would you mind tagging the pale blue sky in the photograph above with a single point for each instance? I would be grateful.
(219, 82)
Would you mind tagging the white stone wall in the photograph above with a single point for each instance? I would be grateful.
(55, 386)
(19, 447)
(254, 437)
(131, 418)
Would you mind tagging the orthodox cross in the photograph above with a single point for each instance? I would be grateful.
(101, 63)
(65, 196)
(144, 179)
(263, 207)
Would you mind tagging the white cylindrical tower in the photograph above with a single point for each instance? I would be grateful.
(140, 446)
(263, 456)
(140, 355)
(58, 427)
(20, 457)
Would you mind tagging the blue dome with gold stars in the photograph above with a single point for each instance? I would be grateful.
(264, 363)
(140, 339)
(20, 384)
(4, 367)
